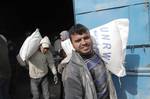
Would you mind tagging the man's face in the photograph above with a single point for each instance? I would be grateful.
(82, 43)
(44, 50)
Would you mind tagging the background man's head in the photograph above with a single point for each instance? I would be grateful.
(64, 35)
(45, 44)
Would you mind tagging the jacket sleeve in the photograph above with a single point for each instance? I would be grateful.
(51, 64)
(73, 87)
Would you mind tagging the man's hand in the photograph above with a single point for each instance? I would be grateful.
(60, 68)
(55, 79)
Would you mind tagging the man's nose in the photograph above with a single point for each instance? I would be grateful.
(83, 41)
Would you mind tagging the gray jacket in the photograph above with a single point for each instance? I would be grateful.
(5, 68)
(78, 83)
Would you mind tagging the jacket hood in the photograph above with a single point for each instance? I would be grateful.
(45, 42)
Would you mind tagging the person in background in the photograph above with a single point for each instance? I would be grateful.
(85, 76)
(59, 48)
(57, 44)
(5, 69)
(64, 35)
(12, 49)
(38, 64)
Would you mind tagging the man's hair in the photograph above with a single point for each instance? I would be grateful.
(78, 29)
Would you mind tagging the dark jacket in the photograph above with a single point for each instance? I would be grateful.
(5, 69)
(78, 83)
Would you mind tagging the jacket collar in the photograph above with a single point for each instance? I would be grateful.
(77, 59)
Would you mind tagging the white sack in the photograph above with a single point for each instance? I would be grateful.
(20, 61)
(111, 39)
(123, 27)
(30, 45)
(67, 47)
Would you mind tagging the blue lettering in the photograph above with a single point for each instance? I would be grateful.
(107, 45)
(105, 37)
(95, 33)
(104, 29)
(106, 55)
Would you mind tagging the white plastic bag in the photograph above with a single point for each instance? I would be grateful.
(111, 39)
(30, 45)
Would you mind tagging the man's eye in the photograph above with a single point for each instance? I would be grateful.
(86, 37)
(77, 40)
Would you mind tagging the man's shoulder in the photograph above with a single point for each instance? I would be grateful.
(71, 69)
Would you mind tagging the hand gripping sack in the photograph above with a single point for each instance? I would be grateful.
(111, 39)
(30, 45)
